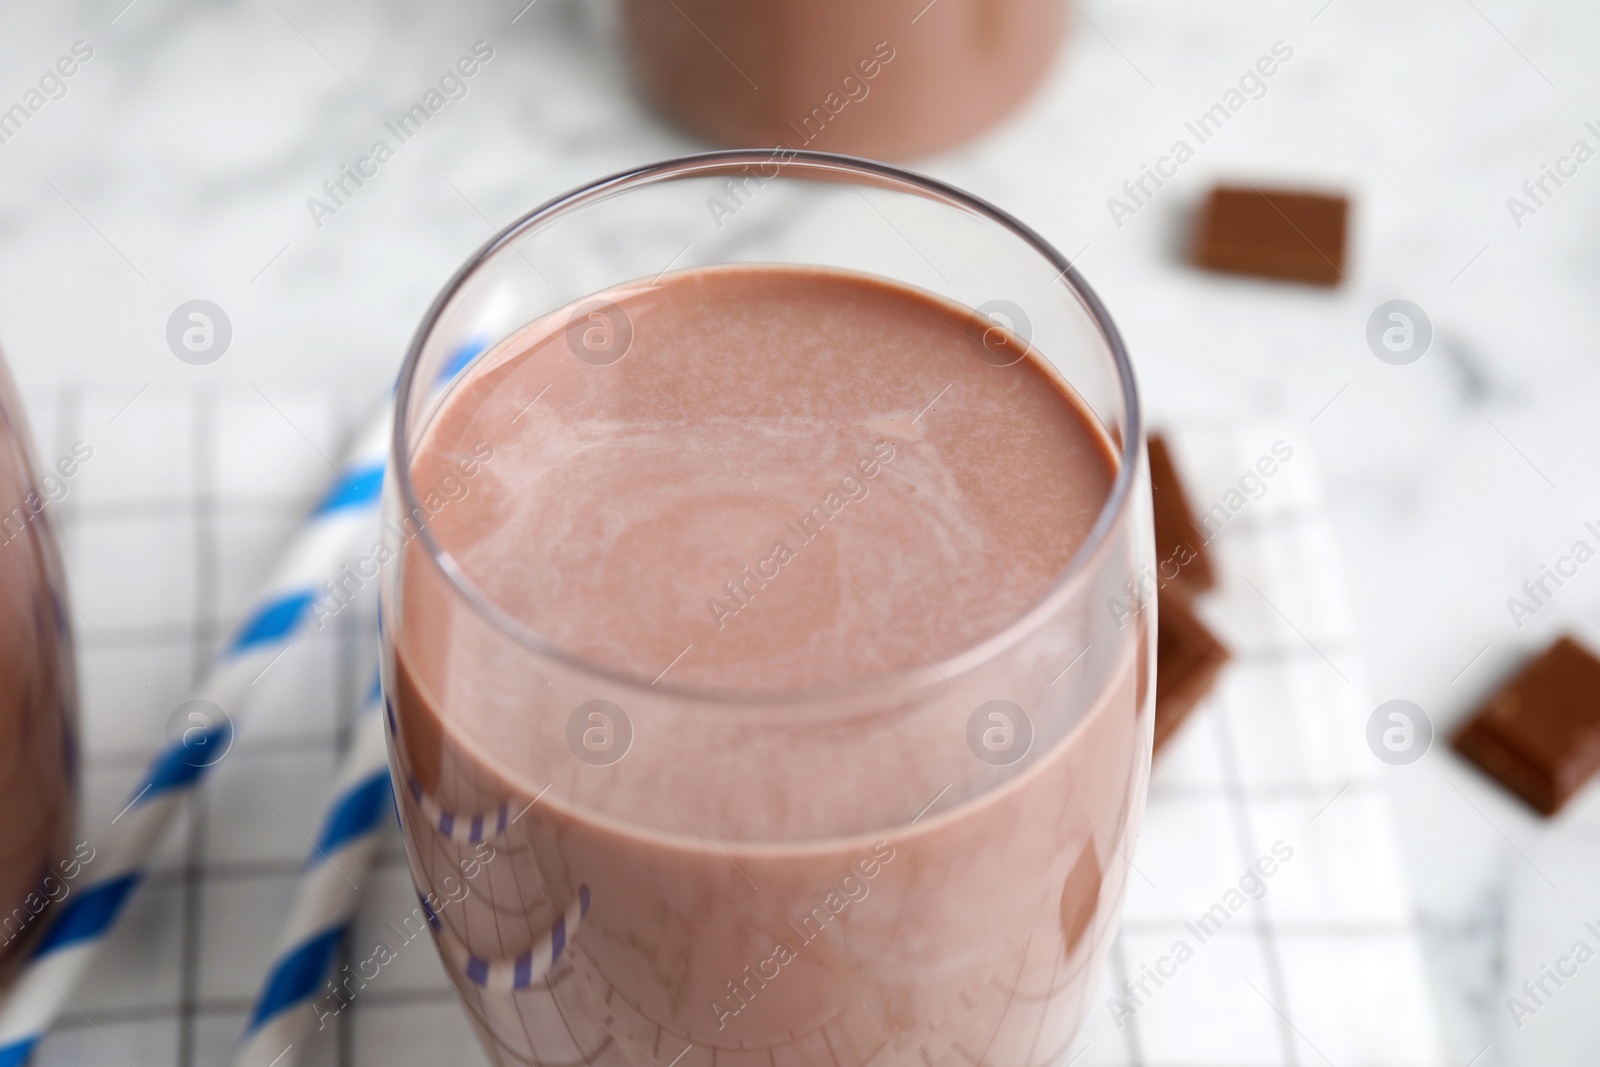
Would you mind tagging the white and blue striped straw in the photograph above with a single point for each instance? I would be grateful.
(526, 968)
(500, 975)
(326, 898)
(338, 525)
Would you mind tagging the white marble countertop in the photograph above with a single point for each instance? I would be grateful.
(178, 162)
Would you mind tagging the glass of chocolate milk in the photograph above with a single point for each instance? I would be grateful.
(883, 78)
(38, 694)
(765, 680)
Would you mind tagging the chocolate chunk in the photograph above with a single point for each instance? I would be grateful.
(1180, 543)
(1540, 735)
(1273, 233)
(1188, 658)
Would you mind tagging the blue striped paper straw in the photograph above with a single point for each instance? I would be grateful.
(336, 527)
(325, 900)
(462, 829)
(528, 967)
(524, 969)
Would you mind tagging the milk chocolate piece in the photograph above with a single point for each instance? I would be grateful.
(1188, 658)
(1540, 735)
(1180, 542)
(1273, 233)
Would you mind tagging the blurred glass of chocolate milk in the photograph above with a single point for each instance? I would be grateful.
(38, 692)
(888, 79)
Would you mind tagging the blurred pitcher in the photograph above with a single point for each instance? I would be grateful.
(888, 79)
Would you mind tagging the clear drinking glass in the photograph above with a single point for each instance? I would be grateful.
(38, 690)
(957, 832)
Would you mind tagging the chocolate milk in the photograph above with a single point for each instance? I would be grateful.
(718, 490)
(38, 704)
(887, 79)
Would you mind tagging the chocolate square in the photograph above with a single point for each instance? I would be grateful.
(1539, 736)
(1273, 233)
(1188, 658)
(1180, 542)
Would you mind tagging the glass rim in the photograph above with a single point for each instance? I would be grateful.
(910, 678)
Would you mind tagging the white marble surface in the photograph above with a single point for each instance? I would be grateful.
(178, 163)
